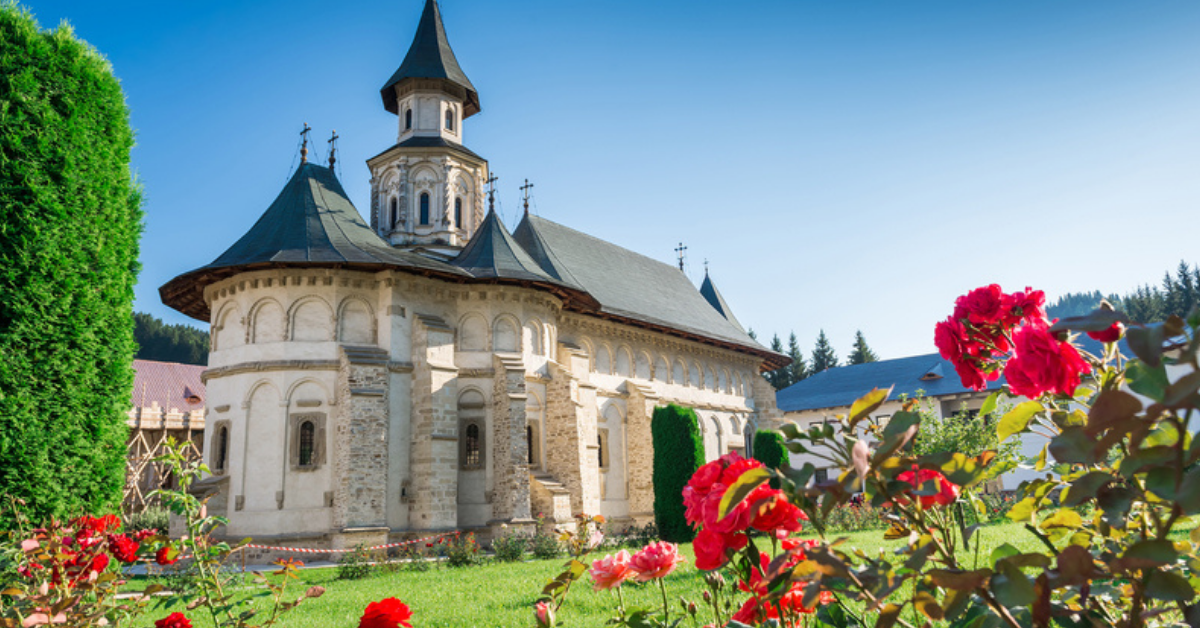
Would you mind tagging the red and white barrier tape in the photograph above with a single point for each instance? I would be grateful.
(309, 550)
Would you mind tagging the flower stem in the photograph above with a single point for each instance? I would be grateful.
(666, 611)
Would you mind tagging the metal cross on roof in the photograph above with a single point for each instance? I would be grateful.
(333, 149)
(525, 189)
(304, 143)
(680, 250)
(492, 178)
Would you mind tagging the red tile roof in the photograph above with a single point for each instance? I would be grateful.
(169, 384)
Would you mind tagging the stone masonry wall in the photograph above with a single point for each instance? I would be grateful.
(360, 441)
(434, 490)
(640, 452)
(571, 442)
(511, 458)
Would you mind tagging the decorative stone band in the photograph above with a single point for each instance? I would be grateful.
(309, 550)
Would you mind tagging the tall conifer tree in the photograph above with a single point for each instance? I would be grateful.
(797, 370)
(70, 220)
(861, 353)
(823, 356)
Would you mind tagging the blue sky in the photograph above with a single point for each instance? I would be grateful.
(842, 165)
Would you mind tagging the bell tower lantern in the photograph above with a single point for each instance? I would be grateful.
(427, 189)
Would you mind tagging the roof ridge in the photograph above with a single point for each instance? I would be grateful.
(602, 240)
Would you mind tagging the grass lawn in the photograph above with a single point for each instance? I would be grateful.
(502, 594)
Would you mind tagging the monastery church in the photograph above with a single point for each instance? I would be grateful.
(433, 371)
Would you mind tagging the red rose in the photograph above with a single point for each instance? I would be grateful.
(778, 514)
(1112, 334)
(387, 613)
(710, 550)
(951, 339)
(1029, 306)
(123, 548)
(174, 620)
(142, 535)
(947, 491)
(981, 306)
(166, 556)
(1042, 363)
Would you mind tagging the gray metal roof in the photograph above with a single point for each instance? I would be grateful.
(311, 223)
(422, 141)
(709, 291)
(626, 284)
(492, 254)
(841, 386)
(430, 57)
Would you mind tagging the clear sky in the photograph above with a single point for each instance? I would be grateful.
(842, 165)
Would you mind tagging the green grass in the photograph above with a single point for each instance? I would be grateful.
(502, 594)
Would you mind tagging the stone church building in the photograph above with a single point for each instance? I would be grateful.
(432, 371)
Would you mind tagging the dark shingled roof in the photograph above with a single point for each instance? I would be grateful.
(841, 386)
(311, 223)
(628, 285)
(492, 254)
(422, 141)
(430, 57)
(709, 291)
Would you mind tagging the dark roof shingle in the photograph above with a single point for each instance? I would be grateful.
(430, 57)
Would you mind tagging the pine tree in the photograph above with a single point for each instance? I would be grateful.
(71, 219)
(779, 377)
(797, 370)
(823, 356)
(861, 353)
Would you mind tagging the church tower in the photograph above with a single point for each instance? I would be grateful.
(427, 189)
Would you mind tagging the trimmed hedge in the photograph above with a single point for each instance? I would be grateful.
(70, 221)
(769, 449)
(678, 452)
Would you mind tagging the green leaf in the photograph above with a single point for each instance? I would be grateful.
(1084, 488)
(1003, 551)
(1023, 510)
(1018, 419)
(1189, 492)
(741, 489)
(868, 403)
(1098, 319)
(1146, 342)
(1063, 518)
(1148, 554)
(1183, 388)
(1040, 463)
(1150, 381)
(989, 404)
(928, 606)
(1111, 407)
(1073, 445)
(1168, 587)
(1011, 587)
(959, 579)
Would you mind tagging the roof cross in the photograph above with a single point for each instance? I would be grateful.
(492, 191)
(304, 144)
(333, 149)
(525, 188)
(680, 250)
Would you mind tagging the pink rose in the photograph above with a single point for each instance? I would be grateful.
(656, 560)
(1042, 363)
(611, 571)
(544, 613)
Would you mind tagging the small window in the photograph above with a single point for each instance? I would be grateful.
(602, 450)
(425, 208)
(458, 213)
(407, 119)
(472, 448)
(821, 476)
(449, 119)
(529, 442)
(222, 448)
(395, 212)
(308, 433)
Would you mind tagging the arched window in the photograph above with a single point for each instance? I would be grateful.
(529, 442)
(308, 433)
(600, 450)
(395, 211)
(424, 208)
(407, 119)
(472, 448)
(222, 448)
(449, 119)
(458, 213)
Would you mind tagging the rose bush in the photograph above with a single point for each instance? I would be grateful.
(1120, 483)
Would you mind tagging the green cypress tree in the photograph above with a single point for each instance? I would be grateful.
(70, 220)
(778, 377)
(823, 356)
(861, 353)
(770, 450)
(678, 452)
(797, 370)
